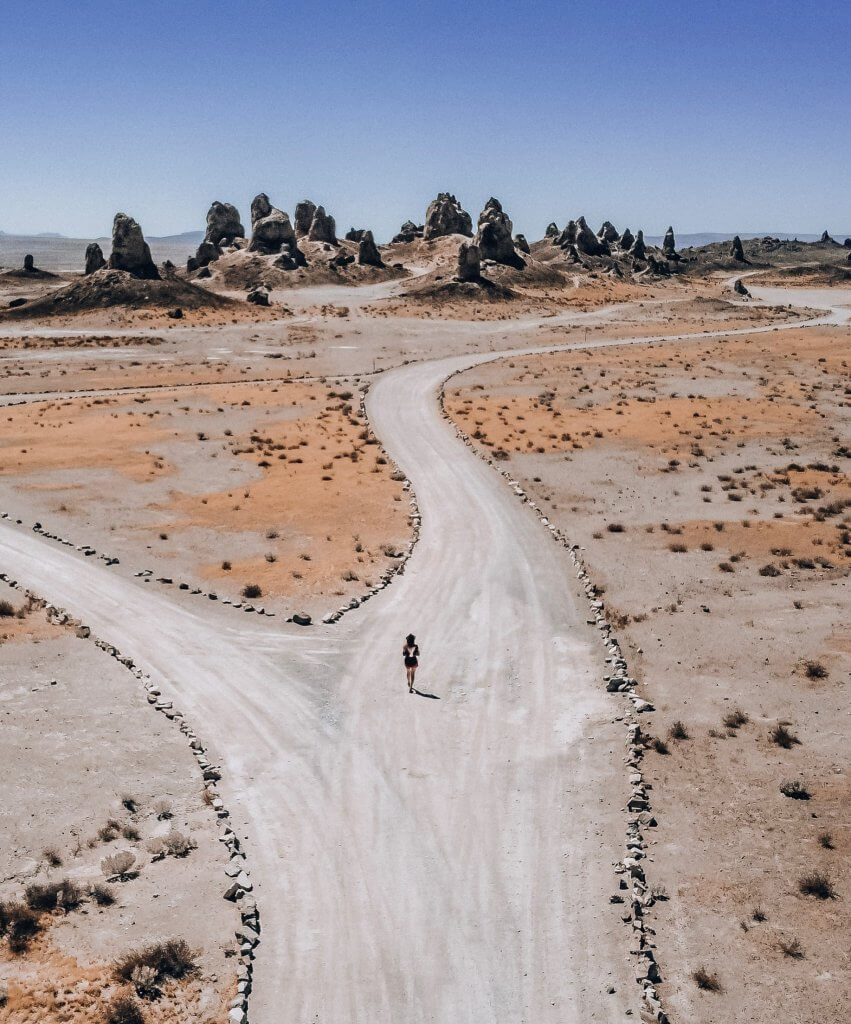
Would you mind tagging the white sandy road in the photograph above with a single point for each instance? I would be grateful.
(442, 858)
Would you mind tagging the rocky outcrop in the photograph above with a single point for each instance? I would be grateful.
(638, 250)
(355, 234)
(739, 288)
(94, 258)
(260, 208)
(206, 254)
(626, 239)
(29, 263)
(827, 239)
(587, 242)
(494, 235)
(304, 212)
(521, 244)
(130, 251)
(223, 225)
(669, 245)
(409, 232)
(608, 233)
(272, 233)
(469, 262)
(736, 250)
(368, 254)
(568, 235)
(259, 296)
(322, 227)
(445, 216)
(552, 230)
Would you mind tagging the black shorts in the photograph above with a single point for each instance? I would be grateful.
(411, 662)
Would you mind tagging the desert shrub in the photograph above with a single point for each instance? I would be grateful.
(826, 840)
(659, 892)
(162, 809)
(102, 894)
(19, 924)
(678, 548)
(706, 981)
(725, 567)
(678, 731)
(792, 948)
(123, 1010)
(251, 591)
(178, 845)
(783, 737)
(70, 895)
(271, 557)
(769, 570)
(226, 566)
(817, 884)
(42, 895)
(118, 864)
(660, 746)
(52, 856)
(130, 832)
(170, 959)
(349, 576)
(7, 609)
(129, 803)
(735, 719)
(815, 670)
(795, 790)
(109, 831)
(144, 980)
(706, 546)
(758, 914)
(615, 528)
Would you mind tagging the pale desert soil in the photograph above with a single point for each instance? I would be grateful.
(78, 738)
(638, 455)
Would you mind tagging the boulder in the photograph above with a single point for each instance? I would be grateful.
(223, 224)
(494, 235)
(206, 253)
(368, 254)
(29, 264)
(322, 227)
(669, 245)
(608, 232)
(94, 258)
(130, 251)
(638, 250)
(304, 212)
(587, 242)
(469, 262)
(260, 208)
(302, 619)
(626, 239)
(739, 288)
(521, 244)
(568, 235)
(847, 243)
(552, 230)
(259, 296)
(445, 216)
(736, 250)
(409, 232)
(272, 232)
(355, 234)
(342, 259)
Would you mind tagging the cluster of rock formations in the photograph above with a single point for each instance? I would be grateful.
(578, 241)
(445, 216)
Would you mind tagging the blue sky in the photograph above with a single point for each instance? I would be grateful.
(708, 114)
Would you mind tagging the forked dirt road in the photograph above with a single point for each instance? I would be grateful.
(440, 857)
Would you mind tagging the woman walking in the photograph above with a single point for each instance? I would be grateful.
(411, 654)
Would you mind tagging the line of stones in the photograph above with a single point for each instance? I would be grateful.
(415, 520)
(240, 887)
(632, 878)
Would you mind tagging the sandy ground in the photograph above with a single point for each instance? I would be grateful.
(707, 483)
(78, 740)
(459, 844)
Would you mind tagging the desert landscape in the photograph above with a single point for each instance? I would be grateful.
(442, 620)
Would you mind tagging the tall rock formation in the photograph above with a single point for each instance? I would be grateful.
(638, 250)
(627, 238)
(608, 232)
(521, 243)
(304, 212)
(445, 216)
(94, 258)
(130, 251)
(322, 227)
(494, 235)
(223, 224)
(271, 230)
(587, 242)
(552, 230)
(368, 254)
(736, 250)
(669, 245)
(469, 262)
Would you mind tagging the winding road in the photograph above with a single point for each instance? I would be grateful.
(440, 857)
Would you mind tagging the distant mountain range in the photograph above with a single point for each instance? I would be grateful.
(708, 237)
(193, 237)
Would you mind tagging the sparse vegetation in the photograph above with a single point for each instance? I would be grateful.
(252, 591)
(7, 609)
(817, 884)
(129, 803)
(735, 719)
(815, 670)
(758, 915)
(825, 840)
(123, 1010)
(795, 790)
(118, 865)
(660, 746)
(706, 981)
(163, 810)
(792, 948)
(678, 731)
(170, 959)
(781, 735)
(102, 894)
(615, 528)
(19, 924)
(52, 856)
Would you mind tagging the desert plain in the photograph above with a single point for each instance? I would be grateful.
(606, 484)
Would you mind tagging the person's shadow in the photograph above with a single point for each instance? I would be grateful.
(422, 693)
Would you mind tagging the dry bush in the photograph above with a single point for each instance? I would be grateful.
(129, 803)
(706, 981)
(758, 914)
(817, 884)
(170, 959)
(678, 548)
(678, 731)
(783, 737)
(815, 670)
(52, 856)
(111, 830)
(123, 1010)
(102, 894)
(252, 591)
(792, 948)
(349, 576)
(615, 528)
(130, 832)
(825, 840)
(42, 895)
(118, 864)
(177, 844)
(19, 924)
(7, 609)
(769, 570)
(725, 567)
(144, 980)
(660, 746)
(163, 810)
(735, 719)
(795, 790)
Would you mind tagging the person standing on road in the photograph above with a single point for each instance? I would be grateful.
(411, 654)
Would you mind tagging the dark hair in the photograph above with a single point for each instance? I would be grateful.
(410, 638)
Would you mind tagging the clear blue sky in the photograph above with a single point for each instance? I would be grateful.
(708, 114)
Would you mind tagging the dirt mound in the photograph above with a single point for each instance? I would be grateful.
(826, 274)
(107, 288)
(30, 275)
(453, 291)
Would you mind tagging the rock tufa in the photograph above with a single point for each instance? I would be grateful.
(409, 232)
(736, 250)
(568, 235)
(494, 235)
(355, 234)
(627, 238)
(669, 245)
(587, 242)
(130, 251)
(521, 244)
(29, 264)
(94, 258)
(739, 288)
(322, 227)
(259, 296)
(552, 230)
(825, 238)
(271, 229)
(638, 250)
(206, 254)
(304, 212)
(368, 254)
(445, 216)
(469, 262)
(260, 208)
(608, 232)
(223, 225)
